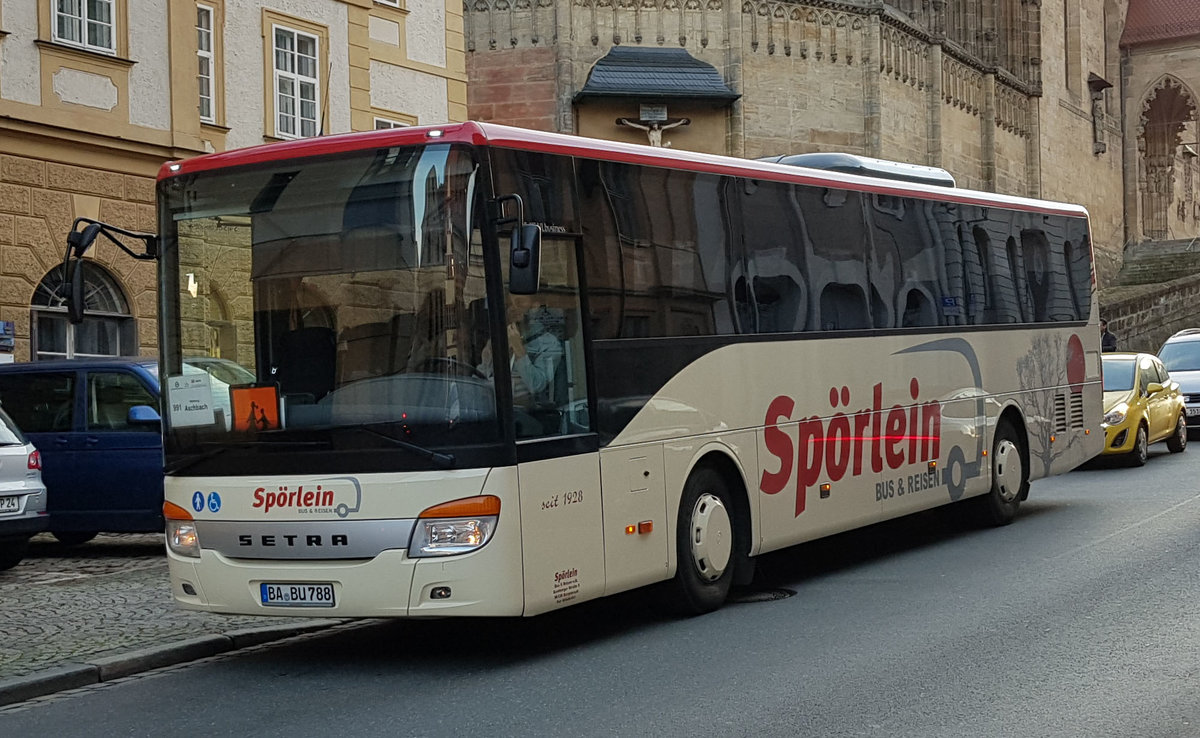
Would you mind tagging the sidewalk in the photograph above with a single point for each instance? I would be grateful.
(73, 616)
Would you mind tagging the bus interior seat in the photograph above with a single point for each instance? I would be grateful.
(881, 311)
(307, 361)
(365, 350)
(918, 308)
(110, 408)
(781, 303)
(843, 308)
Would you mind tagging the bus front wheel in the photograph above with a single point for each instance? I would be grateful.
(706, 545)
(1010, 478)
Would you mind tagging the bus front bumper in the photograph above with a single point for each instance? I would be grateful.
(484, 583)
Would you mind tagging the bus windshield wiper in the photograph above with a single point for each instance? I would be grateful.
(445, 461)
(221, 448)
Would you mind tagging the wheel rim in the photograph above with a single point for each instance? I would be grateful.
(711, 537)
(1008, 470)
(1143, 447)
(1181, 430)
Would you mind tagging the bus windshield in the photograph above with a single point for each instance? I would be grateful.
(348, 292)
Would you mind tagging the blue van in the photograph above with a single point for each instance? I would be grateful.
(102, 468)
(102, 460)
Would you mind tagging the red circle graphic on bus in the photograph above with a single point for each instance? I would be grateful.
(1075, 364)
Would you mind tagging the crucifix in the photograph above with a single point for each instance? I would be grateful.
(654, 128)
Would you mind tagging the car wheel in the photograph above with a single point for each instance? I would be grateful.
(1141, 448)
(73, 537)
(12, 551)
(707, 545)
(1178, 442)
(1010, 478)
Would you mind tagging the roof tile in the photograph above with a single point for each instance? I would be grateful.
(1149, 21)
(632, 71)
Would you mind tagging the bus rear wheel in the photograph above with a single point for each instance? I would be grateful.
(706, 545)
(1010, 478)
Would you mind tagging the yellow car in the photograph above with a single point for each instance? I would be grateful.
(1142, 405)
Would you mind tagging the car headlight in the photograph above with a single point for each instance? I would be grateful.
(1116, 416)
(455, 527)
(181, 531)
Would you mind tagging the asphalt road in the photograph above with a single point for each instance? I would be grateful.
(1080, 619)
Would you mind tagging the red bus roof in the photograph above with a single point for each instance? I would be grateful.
(492, 134)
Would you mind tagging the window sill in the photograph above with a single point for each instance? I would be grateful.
(86, 54)
(401, 9)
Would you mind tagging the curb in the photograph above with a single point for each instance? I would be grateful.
(104, 668)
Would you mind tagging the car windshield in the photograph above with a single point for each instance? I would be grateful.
(1118, 374)
(1181, 356)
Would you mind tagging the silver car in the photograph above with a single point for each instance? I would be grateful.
(1181, 356)
(22, 494)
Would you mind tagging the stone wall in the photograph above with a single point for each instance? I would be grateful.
(1144, 316)
(39, 200)
(513, 86)
(961, 145)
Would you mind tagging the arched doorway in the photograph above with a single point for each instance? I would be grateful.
(1167, 146)
(107, 329)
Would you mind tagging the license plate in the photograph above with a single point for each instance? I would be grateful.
(1193, 411)
(296, 594)
(10, 504)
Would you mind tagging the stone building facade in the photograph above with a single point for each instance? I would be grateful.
(1154, 293)
(1021, 97)
(95, 96)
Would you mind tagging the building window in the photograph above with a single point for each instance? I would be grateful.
(107, 328)
(392, 3)
(296, 83)
(86, 23)
(206, 59)
(384, 123)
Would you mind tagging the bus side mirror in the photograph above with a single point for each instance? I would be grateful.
(525, 260)
(74, 293)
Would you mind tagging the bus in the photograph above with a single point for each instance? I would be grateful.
(708, 358)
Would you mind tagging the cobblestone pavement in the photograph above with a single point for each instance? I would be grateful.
(65, 603)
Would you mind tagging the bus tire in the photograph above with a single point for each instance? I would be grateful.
(705, 545)
(1010, 478)
(1178, 442)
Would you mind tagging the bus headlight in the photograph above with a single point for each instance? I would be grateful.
(182, 539)
(181, 531)
(455, 527)
(1116, 416)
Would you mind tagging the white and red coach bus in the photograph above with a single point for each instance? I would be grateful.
(709, 358)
